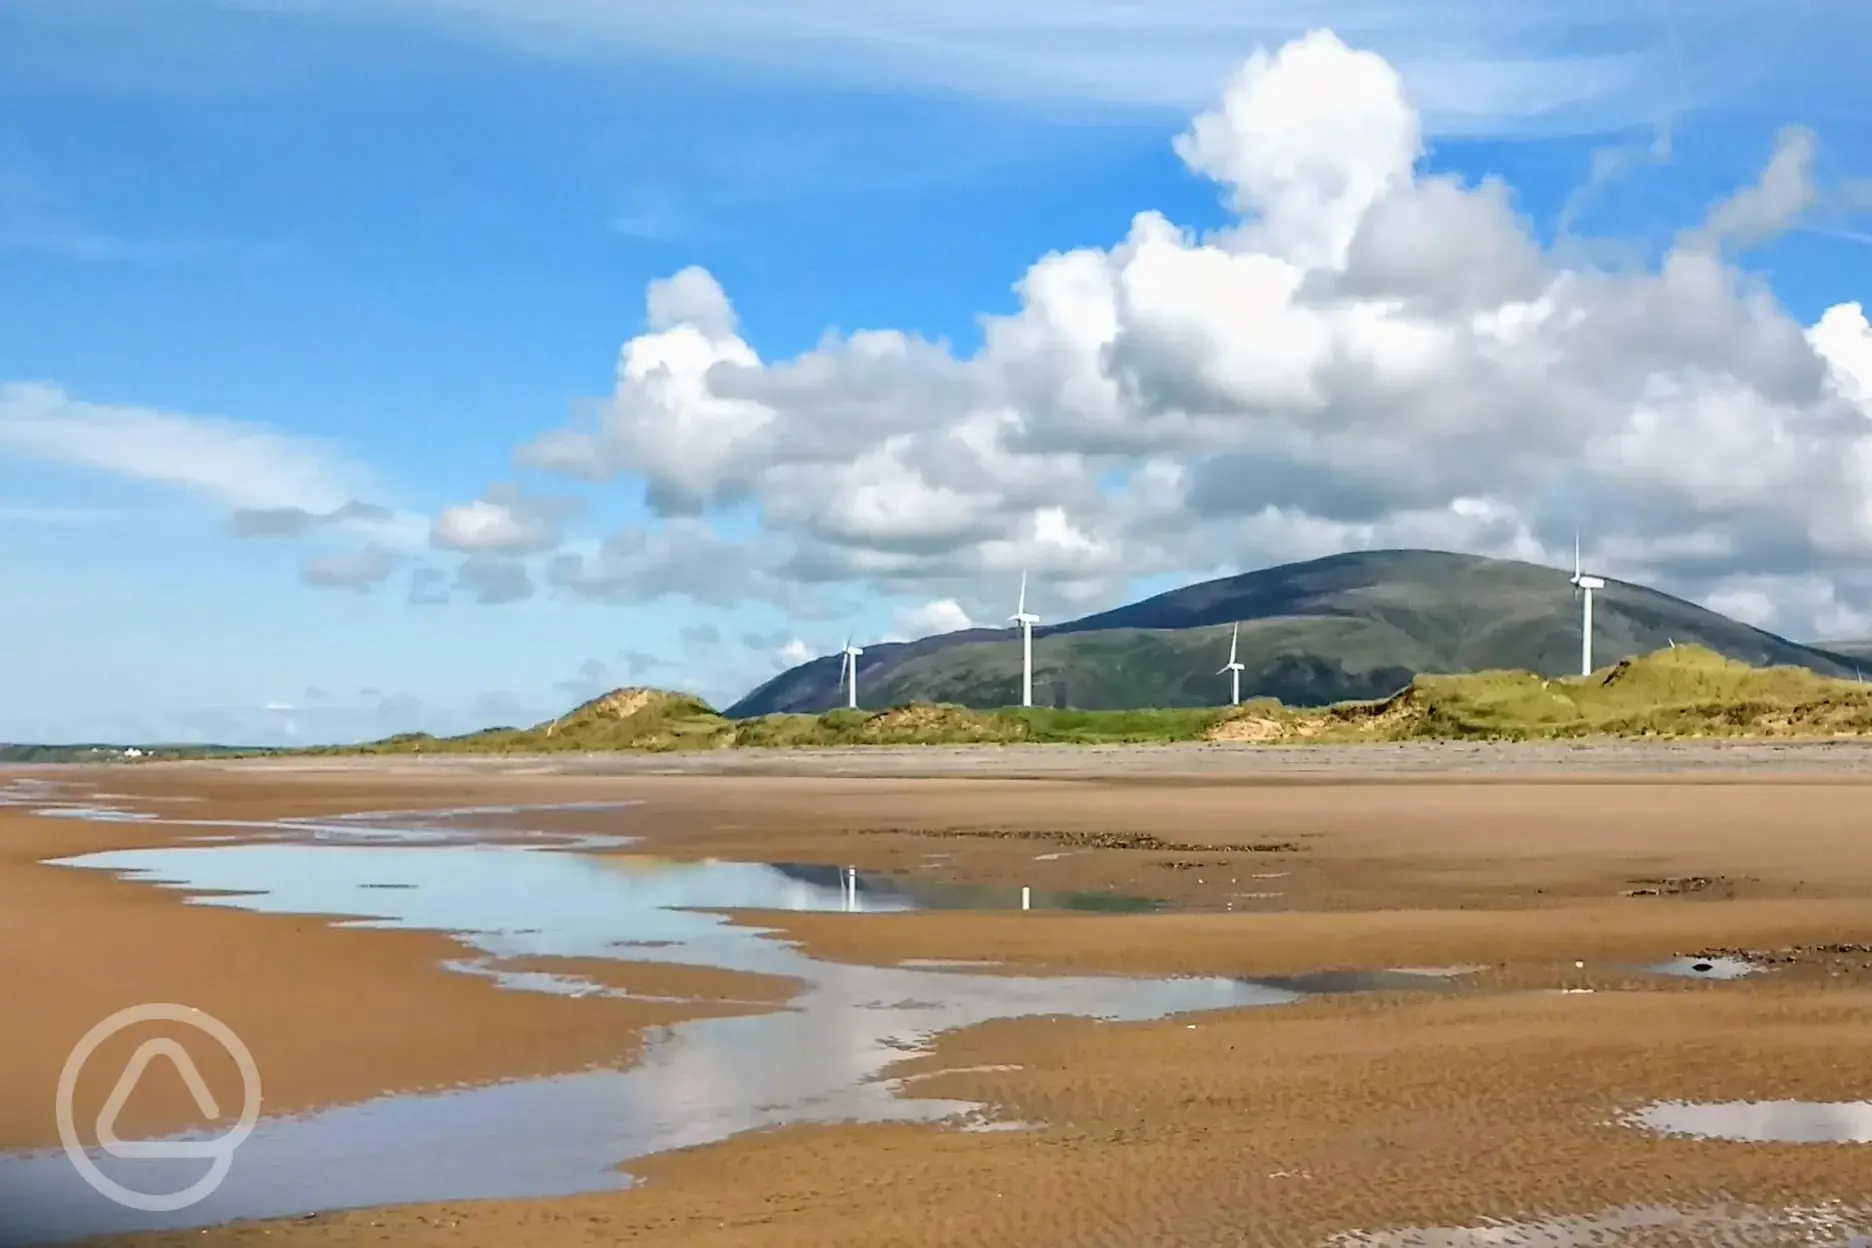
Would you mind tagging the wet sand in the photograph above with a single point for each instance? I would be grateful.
(1275, 1126)
(332, 1015)
(1464, 758)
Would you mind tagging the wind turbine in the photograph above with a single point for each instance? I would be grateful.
(848, 672)
(1025, 621)
(1583, 587)
(1233, 667)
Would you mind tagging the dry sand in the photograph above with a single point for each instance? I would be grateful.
(1264, 1126)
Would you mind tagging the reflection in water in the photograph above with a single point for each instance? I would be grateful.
(818, 1059)
(1785, 1122)
(1716, 1226)
(1703, 968)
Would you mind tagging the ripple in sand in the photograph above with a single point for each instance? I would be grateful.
(1717, 1226)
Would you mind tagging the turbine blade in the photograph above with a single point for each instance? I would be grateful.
(1234, 639)
(1022, 608)
(1576, 558)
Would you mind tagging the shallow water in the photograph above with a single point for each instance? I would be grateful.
(1715, 1226)
(1784, 1122)
(821, 1058)
(1703, 968)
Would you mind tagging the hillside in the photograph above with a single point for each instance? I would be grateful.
(1857, 650)
(1356, 626)
(1686, 691)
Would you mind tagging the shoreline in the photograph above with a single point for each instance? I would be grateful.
(1159, 1128)
(1588, 756)
(334, 1015)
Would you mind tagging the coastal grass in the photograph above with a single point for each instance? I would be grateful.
(1685, 691)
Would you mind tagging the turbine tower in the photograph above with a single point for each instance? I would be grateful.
(848, 672)
(1233, 667)
(1583, 587)
(1025, 621)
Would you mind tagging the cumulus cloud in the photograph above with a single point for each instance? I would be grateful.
(684, 557)
(297, 521)
(362, 570)
(1371, 355)
(944, 615)
(504, 521)
(494, 579)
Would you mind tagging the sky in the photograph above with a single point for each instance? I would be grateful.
(380, 365)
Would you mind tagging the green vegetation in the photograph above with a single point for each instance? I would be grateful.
(88, 752)
(1353, 627)
(1685, 691)
(625, 719)
(657, 721)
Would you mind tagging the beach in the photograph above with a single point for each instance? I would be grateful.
(1544, 886)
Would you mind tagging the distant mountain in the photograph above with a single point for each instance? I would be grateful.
(1856, 649)
(1352, 626)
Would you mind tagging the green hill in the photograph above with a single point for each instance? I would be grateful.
(1356, 626)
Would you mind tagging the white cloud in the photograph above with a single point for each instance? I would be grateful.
(1371, 356)
(232, 463)
(793, 653)
(362, 570)
(1844, 339)
(505, 521)
(1473, 65)
(941, 615)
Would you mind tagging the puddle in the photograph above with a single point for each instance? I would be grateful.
(1400, 979)
(820, 1058)
(1760, 1122)
(1836, 1226)
(878, 892)
(1703, 968)
(96, 814)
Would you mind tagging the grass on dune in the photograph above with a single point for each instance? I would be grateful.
(1687, 691)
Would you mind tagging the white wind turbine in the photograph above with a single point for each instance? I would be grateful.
(1583, 586)
(1025, 621)
(1233, 667)
(848, 672)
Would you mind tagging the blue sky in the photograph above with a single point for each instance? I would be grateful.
(293, 253)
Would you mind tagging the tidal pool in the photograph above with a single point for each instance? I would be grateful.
(1703, 968)
(1760, 1122)
(819, 1058)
